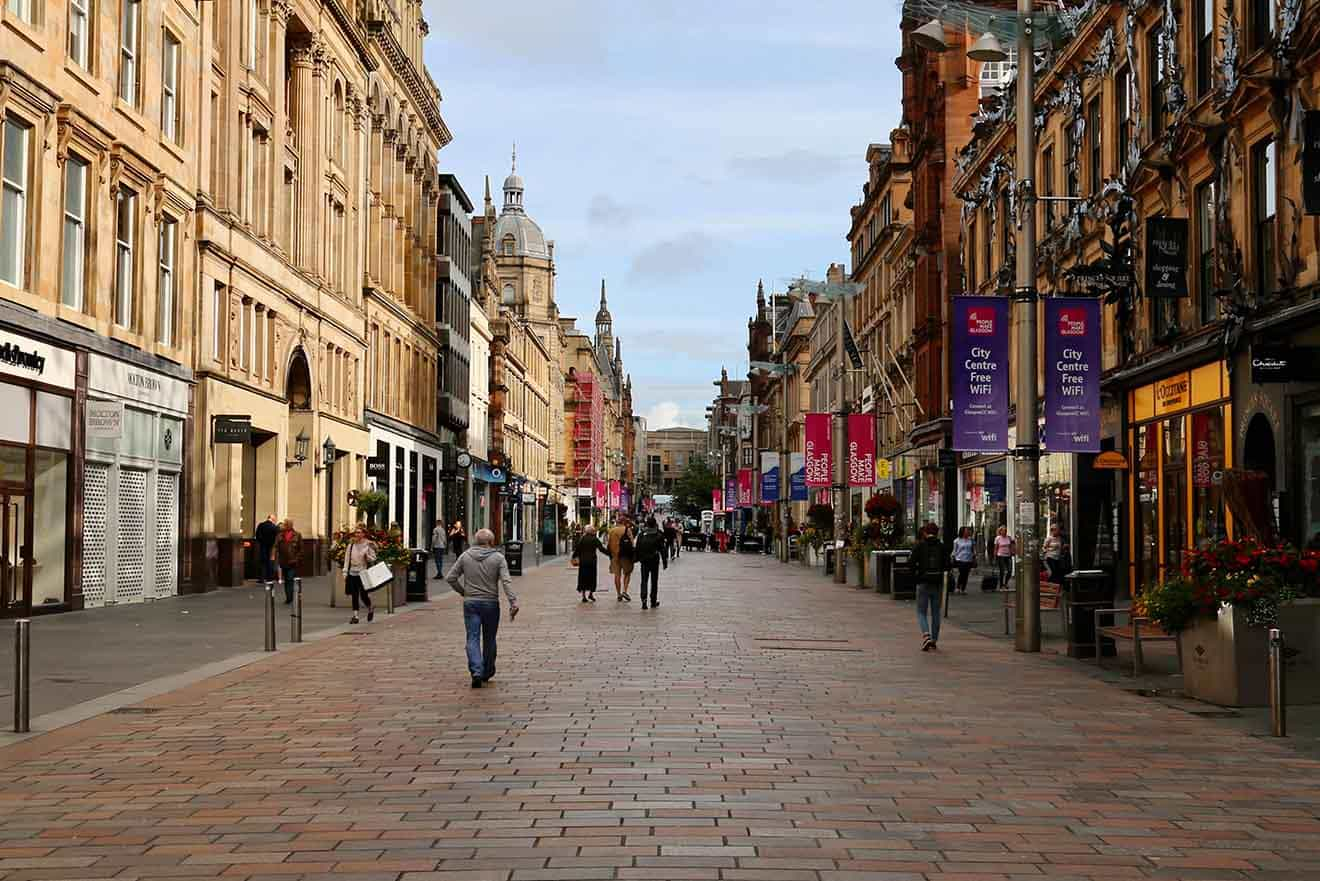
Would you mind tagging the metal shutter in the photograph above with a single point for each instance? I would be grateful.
(130, 562)
(96, 509)
(167, 535)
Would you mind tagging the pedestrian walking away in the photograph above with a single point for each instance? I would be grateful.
(931, 563)
(289, 551)
(267, 533)
(672, 540)
(584, 557)
(478, 576)
(652, 552)
(457, 537)
(964, 556)
(623, 554)
(439, 544)
(358, 557)
(1005, 548)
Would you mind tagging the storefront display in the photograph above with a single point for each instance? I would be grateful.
(1179, 434)
(37, 382)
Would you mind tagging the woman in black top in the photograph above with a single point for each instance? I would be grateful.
(584, 555)
(457, 538)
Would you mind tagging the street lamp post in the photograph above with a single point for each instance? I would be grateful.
(783, 370)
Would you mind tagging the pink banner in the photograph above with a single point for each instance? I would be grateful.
(616, 495)
(861, 449)
(745, 479)
(716, 501)
(598, 490)
(820, 441)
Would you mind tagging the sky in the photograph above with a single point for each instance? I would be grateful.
(680, 150)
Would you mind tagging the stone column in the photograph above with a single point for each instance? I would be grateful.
(302, 110)
(280, 123)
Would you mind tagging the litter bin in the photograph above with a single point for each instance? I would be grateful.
(905, 578)
(1084, 590)
(886, 561)
(416, 579)
(837, 552)
(513, 551)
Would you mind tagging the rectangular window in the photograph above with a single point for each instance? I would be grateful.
(73, 271)
(1262, 23)
(125, 248)
(21, 9)
(1094, 144)
(1205, 258)
(165, 293)
(130, 28)
(219, 319)
(1047, 185)
(1123, 95)
(1263, 182)
(169, 89)
(13, 202)
(79, 33)
(1155, 62)
(1205, 46)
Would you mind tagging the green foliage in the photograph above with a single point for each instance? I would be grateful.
(370, 503)
(693, 491)
(1171, 604)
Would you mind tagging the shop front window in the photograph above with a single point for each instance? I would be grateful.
(1310, 446)
(1208, 522)
(1056, 498)
(50, 509)
(1147, 481)
(1175, 492)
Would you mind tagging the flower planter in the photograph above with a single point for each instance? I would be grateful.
(1226, 661)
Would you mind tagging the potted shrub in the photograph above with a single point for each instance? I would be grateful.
(1222, 606)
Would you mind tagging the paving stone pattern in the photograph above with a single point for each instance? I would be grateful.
(762, 725)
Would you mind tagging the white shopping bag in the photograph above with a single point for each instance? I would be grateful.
(377, 576)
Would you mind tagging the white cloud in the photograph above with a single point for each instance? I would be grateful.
(668, 414)
(687, 254)
(609, 213)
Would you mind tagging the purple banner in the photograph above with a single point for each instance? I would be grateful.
(980, 374)
(1072, 375)
(731, 493)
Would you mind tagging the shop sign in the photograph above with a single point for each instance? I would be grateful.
(584, 492)
(529, 498)
(1172, 394)
(28, 359)
(861, 449)
(884, 469)
(850, 346)
(820, 440)
(1072, 375)
(105, 419)
(1110, 460)
(378, 467)
(769, 477)
(980, 374)
(797, 465)
(1311, 161)
(232, 430)
(1276, 363)
(134, 383)
(1166, 257)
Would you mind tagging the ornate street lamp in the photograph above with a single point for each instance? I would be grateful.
(327, 453)
(300, 447)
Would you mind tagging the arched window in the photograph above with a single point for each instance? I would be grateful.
(337, 122)
(508, 297)
(508, 245)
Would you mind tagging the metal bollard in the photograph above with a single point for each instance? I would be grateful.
(295, 614)
(389, 597)
(1278, 693)
(22, 675)
(270, 617)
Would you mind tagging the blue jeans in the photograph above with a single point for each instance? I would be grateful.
(928, 598)
(482, 618)
(438, 554)
(289, 573)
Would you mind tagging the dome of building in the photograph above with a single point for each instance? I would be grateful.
(516, 234)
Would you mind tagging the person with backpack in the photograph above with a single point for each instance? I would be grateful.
(930, 562)
(623, 555)
(652, 551)
(672, 542)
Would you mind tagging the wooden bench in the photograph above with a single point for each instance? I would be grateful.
(1051, 596)
(1138, 630)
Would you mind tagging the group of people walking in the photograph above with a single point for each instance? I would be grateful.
(626, 547)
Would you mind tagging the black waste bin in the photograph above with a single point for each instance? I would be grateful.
(905, 579)
(1083, 591)
(416, 582)
(513, 551)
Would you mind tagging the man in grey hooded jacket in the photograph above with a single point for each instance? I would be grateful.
(477, 576)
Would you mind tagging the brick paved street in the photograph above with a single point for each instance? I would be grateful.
(762, 724)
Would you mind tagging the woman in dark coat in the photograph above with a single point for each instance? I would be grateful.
(584, 556)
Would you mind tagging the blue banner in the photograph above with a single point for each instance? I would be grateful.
(1072, 375)
(980, 374)
(769, 478)
(797, 486)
